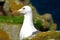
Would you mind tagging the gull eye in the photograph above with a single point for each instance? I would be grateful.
(23, 8)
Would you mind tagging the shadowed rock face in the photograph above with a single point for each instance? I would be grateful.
(2, 3)
(1, 7)
(22, 0)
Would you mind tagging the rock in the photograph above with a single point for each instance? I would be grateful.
(2, 0)
(6, 8)
(1, 13)
(11, 29)
(4, 35)
(53, 27)
(1, 8)
(11, 5)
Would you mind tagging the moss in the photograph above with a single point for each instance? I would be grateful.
(13, 19)
(38, 24)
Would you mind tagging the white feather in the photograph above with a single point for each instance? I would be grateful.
(27, 27)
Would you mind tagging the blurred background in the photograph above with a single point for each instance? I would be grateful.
(45, 18)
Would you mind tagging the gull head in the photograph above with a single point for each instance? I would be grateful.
(25, 10)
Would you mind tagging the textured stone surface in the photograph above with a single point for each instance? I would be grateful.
(7, 8)
(11, 29)
(1, 0)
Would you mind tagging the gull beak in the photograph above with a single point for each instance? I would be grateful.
(19, 10)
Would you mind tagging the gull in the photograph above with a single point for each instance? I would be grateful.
(27, 28)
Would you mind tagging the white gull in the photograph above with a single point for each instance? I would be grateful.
(27, 28)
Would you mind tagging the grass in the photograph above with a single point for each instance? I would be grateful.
(12, 19)
(16, 20)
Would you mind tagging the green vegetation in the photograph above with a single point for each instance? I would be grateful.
(11, 19)
(17, 20)
(38, 24)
